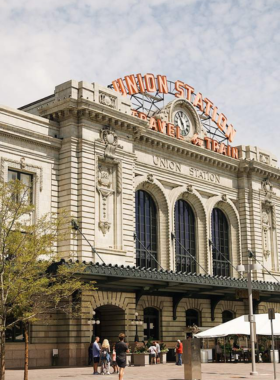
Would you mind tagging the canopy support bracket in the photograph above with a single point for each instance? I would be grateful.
(176, 300)
(214, 300)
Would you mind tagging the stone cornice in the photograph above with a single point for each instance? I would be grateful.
(104, 115)
(29, 136)
(71, 108)
(247, 167)
(83, 109)
(28, 116)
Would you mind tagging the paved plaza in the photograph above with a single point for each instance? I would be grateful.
(163, 372)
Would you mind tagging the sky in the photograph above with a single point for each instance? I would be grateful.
(229, 50)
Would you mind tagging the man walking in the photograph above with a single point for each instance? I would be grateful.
(96, 355)
(179, 352)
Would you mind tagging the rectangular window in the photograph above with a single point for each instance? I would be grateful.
(27, 181)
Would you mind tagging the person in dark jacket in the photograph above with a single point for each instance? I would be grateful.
(90, 354)
(121, 350)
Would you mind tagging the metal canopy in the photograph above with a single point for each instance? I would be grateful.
(176, 285)
(177, 281)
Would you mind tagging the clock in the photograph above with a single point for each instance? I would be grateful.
(182, 120)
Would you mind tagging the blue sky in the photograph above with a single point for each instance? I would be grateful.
(226, 49)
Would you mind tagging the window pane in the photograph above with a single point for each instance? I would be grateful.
(26, 179)
(12, 176)
(220, 248)
(185, 237)
(146, 230)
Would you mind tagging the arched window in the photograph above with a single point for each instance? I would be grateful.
(227, 316)
(146, 230)
(192, 317)
(185, 237)
(151, 323)
(220, 247)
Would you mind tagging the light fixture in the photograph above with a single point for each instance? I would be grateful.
(248, 268)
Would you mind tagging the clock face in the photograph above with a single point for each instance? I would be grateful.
(181, 119)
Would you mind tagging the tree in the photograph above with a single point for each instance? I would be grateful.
(33, 280)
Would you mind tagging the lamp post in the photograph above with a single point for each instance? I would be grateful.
(136, 322)
(93, 322)
(248, 268)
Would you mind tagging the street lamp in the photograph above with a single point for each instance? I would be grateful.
(93, 322)
(248, 268)
(136, 322)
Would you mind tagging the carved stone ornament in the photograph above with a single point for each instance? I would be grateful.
(107, 100)
(110, 138)
(104, 227)
(264, 159)
(22, 163)
(266, 228)
(189, 188)
(150, 178)
(224, 198)
(267, 186)
(104, 187)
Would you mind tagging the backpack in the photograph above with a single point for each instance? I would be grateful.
(104, 354)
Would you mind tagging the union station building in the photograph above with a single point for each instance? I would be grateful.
(170, 209)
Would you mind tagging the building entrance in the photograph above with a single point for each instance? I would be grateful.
(112, 323)
(151, 323)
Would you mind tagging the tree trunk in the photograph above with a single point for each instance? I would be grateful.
(2, 356)
(26, 347)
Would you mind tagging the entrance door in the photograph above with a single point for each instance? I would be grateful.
(151, 323)
(112, 323)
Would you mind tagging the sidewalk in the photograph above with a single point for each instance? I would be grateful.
(222, 371)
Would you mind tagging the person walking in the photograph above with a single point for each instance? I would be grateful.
(158, 353)
(121, 350)
(179, 352)
(114, 360)
(105, 357)
(153, 352)
(96, 355)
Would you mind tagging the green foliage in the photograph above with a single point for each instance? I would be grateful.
(163, 348)
(150, 342)
(31, 285)
(141, 349)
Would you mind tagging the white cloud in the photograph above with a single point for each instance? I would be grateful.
(228, 50)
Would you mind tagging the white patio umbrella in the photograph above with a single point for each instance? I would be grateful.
(239, 326)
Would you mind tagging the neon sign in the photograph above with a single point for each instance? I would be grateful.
(138, 84)
(134, 84)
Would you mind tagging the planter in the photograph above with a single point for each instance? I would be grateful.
(141, 359)
(128, 360)
(163, 356)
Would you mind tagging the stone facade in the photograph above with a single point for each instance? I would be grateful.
(88, 154)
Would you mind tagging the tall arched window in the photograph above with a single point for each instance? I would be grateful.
(185, 237)
(192, 317)
(220, 247)
(227, 316)
(146, 230)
